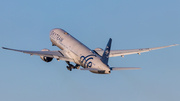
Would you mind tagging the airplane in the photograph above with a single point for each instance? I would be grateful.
(72, 50)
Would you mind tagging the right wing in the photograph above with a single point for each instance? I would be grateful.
(53, 54)
(114, 53)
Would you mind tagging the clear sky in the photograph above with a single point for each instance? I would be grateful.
(25, 24)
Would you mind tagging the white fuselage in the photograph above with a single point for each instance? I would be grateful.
(81, 54)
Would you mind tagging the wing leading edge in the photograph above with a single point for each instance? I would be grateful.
(53, 54)
(114, 53)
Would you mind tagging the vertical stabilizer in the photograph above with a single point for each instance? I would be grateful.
(105, 56)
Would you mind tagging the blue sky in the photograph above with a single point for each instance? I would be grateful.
(130, 23)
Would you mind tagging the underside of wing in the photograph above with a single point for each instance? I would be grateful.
(114, 53)
(53, 54)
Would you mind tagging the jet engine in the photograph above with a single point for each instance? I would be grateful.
(98, 49)
(44, 58)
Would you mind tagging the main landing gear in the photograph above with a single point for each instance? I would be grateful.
(70, 67)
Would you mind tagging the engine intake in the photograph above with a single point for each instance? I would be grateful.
(44, 58)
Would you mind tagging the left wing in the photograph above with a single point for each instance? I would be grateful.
(53, 54)
(114, 53)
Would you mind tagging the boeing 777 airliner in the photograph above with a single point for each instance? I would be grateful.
(73, 50)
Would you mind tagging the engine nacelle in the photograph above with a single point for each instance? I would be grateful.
(44, 58)
(98, 49)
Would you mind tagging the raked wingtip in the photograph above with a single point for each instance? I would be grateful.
(173, 45)
(176, 44)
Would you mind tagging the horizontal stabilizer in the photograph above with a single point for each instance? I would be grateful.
(124, 68)
(88, 69)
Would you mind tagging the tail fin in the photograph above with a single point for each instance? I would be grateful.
(105, 56)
